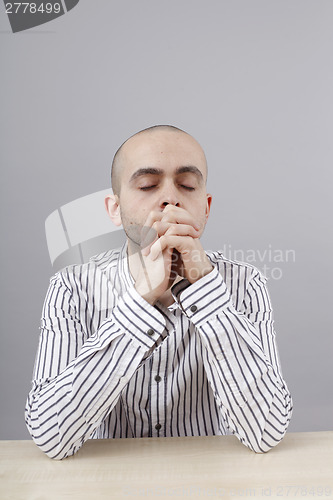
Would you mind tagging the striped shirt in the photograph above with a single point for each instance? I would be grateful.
(110, 365)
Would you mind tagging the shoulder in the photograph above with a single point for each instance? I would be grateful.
(243, 272)
(80, 275)
(243, 281)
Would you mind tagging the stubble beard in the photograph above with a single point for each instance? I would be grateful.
(137, 234)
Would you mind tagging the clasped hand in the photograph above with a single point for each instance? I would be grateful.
(174, 250)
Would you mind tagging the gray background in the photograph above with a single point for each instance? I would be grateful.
(250, 79)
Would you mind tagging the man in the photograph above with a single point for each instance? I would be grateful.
(158, 338)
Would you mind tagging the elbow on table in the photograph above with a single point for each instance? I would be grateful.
(274, 430)
(56, 450)
(53, 447)
(47, 435)
(266, 442)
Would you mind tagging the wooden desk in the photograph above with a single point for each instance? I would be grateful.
(171, 468)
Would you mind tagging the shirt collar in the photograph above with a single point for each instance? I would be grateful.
(123, 279)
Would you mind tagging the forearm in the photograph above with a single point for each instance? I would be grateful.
(64, 410)
(62, 413)
(253, 397)
(241, 361)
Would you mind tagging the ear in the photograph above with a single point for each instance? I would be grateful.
(208, 205)
(113, 208)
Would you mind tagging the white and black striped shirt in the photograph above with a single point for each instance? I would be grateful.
(110, 365)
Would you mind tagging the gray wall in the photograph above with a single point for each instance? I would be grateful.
(251, 80)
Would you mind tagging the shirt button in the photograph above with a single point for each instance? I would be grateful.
(150, 331)
(193, 308)
(158, 426)
(158, 378)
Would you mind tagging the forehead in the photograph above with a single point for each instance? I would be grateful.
(163, 149)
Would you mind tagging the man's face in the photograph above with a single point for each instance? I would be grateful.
(158, 168)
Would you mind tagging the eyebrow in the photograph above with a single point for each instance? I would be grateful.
(158, 171)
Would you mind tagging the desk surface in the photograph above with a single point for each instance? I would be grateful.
(301, 466)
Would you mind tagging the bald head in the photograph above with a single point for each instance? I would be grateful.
(143, 138)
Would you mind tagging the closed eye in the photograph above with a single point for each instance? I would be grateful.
(146, 188)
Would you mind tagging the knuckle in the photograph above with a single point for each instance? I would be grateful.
(171, 230)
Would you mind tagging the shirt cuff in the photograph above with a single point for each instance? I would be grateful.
(140, 319)
(204, 299)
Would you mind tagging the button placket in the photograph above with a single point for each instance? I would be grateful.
(157, 389)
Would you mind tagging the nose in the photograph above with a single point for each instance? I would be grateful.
(169, 199)
(165, 203)
(169, 196)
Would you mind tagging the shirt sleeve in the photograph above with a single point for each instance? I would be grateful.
(78, 377)
(241, 359)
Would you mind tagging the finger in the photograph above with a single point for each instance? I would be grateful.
(148, 237)
(156, 250)
(180, 243)
(167, 229)
(179, 216)
(153, 216)
(182, 230)
(161, 227)
(149, 233)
